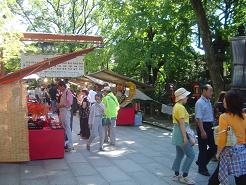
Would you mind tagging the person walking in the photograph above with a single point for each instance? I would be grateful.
(84, 112)
(64, 107)
(53, 93)
(111, 112)
(219, 107)
(232, 159)
(181, 139)
(205, 122)
(92, 94)
(74, 108)
(38, 93)
(95, 121)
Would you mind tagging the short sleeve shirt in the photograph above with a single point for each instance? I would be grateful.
(204, 110)
(180, 112)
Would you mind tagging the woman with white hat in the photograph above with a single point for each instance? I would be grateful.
(181, 139)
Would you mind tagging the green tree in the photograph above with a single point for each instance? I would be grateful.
(10, 45)
(57, 16)
(216, 19)
(145, 35)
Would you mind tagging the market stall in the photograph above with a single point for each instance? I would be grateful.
(46, 134)
(42, 137)
(128, 93)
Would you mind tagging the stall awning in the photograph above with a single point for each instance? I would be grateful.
(141, 96)
(113, 77)
(86, 79)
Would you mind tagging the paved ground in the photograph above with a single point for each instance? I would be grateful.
(142, 156)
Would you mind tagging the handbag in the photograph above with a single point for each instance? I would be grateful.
(191, 135)
(231, 139)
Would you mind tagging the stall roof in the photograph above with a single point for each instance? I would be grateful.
(113, 77)
(87, 79)
(138, 96)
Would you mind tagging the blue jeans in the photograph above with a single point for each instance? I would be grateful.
(53, 106)
(180, 152)
(71, 120)
(110, 131)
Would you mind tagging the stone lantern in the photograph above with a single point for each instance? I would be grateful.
(239, 64)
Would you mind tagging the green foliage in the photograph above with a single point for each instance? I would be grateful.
(146, 35)
(150, 41)
(56, 16)
(10, 45)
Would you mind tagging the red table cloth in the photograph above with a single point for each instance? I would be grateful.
(125, 116)
(46, 143)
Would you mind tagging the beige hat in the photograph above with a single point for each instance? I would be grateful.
(180, 94)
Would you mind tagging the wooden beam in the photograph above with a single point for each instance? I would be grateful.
(47, 37)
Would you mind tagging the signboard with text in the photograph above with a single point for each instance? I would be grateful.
(71, 68)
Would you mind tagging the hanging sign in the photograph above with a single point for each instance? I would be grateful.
(71, 68)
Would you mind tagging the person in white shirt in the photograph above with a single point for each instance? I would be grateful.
(92, 95)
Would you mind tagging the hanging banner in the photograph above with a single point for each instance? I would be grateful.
(71, 68)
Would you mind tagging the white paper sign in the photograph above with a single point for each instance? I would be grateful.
(166, 109)
(71, 68)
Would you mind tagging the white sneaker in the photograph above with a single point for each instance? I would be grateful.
(176, 177)
(186, 180)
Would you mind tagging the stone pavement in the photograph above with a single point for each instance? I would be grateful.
(143, 156)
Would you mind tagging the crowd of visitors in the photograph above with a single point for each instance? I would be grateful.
(230, 145)
(98, 109)
(97, 106)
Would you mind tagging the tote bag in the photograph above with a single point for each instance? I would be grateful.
(231, 139)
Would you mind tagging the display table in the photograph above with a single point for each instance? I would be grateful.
(46, 143)
(125, 117)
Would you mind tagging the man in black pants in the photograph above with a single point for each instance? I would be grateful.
(205, 120)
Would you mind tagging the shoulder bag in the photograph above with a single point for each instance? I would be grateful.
(231, 139)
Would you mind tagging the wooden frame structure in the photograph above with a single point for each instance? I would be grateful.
(45, 64)
(47, 37)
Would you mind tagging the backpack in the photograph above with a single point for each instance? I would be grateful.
(75, 105)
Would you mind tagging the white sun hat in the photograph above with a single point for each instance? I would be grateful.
(107, 88)
(180, 94)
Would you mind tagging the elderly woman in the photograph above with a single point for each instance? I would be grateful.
(181, 139)
(84, 111)
(232, 159)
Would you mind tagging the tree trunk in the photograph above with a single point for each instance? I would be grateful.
(213, 67)
(2, 70)
(149, 74)
(155, 75)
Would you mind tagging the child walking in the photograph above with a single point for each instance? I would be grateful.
(95, 121)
